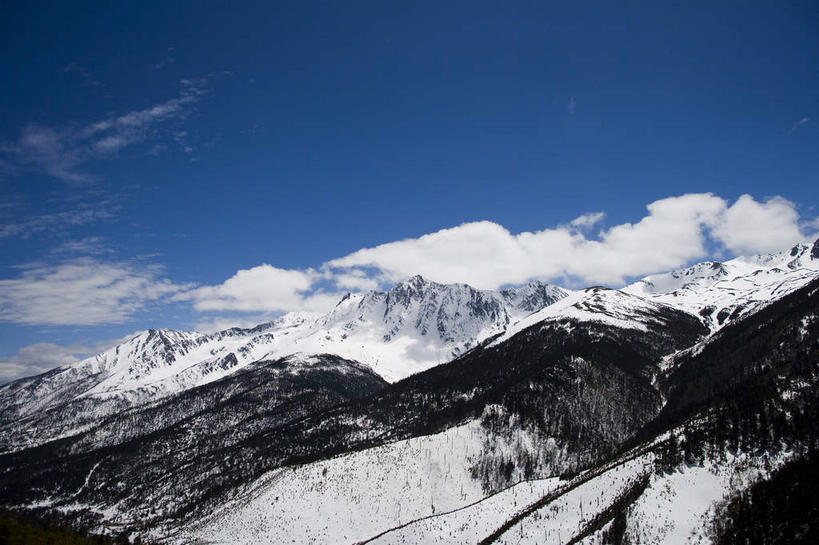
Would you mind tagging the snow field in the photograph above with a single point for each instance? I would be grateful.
(568, 514)
(472, 523)
(677, 507)
(352, 497)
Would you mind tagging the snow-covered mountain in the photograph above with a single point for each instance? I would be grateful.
(418, 324)
(415, 325)
(701, 455)
(412, 327)
(546, 401)
(723, 292)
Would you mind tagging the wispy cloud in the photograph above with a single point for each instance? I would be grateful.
(55, 152)
(587, 220)
(86, 76)
(163, 63)
(82, 291)
(87, 246)
(62, 152)
(181, 139)
(801, 123)
(59, 222)
(156, 149)
(572, 106)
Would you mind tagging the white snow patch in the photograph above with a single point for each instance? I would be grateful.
(351, 497)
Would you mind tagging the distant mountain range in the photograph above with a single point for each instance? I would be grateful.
(442, 413)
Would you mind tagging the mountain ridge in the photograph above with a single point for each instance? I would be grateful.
(415, 325)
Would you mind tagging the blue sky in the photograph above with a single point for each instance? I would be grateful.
(151, 152)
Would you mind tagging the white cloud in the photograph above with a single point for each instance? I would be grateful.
(476, 253)
(486, 255)
(35, 359)
(673, 234)
(82, 291)
(263, 289)
(354, 279)
(812, 226)
(587, 220)
(758, 227)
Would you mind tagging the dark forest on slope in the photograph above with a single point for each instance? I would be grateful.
(782, 510)
(753, 388)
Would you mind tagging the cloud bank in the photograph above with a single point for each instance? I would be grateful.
(674, 232)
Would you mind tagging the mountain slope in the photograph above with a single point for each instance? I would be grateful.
(740, 422)
(685, 462)
(556, 396)
(159, 442)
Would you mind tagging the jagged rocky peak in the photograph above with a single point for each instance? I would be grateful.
(530, 297)
(412, 289)
(417, 282)
(806, 251)
(533, 296)
(426, 298)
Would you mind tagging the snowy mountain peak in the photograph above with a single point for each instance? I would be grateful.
(417, 282)
(721, 293)
(533, 296)
(415, 325)
(419, 323)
